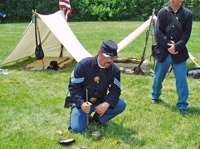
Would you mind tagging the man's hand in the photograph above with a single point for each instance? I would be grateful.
(172, 49)
(101, 108)
(86, 107)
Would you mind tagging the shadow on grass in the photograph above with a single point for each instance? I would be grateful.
(191, 110)
(124, 134)
(118, 134)
(169, 106)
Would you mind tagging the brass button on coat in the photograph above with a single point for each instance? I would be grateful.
(96, 79)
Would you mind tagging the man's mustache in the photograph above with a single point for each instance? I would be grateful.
(107, 63)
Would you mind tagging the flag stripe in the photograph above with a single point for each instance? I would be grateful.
(65, 5)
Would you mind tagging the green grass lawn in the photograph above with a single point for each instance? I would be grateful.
(32, 102)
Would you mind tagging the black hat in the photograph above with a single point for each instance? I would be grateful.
(109, 49)
(53, 65)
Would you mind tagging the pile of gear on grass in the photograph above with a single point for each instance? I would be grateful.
(194, 72)
(129, 65)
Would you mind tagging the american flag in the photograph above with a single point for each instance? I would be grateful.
(65, 5)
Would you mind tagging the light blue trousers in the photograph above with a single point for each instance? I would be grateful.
(78, 119)
(180, 72)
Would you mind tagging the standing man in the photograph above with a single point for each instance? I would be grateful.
(173, 29)
(103, 94)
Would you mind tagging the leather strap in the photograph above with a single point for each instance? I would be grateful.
(37, 30)
(92, 82)
(174, 20)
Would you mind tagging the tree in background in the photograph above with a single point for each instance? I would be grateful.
(21, 10)
(85, 10)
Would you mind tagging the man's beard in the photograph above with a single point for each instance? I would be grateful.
(106, 65)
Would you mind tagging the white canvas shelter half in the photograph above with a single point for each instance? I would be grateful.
(126, 41)
(54, 32)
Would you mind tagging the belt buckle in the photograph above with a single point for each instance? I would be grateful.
(93, 99)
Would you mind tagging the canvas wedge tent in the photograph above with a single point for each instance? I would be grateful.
(57, 40)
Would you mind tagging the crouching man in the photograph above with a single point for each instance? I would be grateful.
(97, 78)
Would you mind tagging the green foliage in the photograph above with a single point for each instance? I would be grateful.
(192, 2)
(196, 17)
(80, 10)
(21, 10)
(104, 10)
(47, 7)
(85, 10)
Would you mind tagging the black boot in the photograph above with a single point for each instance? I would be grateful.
(96, 119)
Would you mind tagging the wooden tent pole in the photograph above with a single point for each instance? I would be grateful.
(61, 51)
(43, 63)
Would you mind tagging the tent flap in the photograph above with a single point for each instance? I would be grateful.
(54, 32)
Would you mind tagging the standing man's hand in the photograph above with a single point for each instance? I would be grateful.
(101, 108)
(172, 49)
(86, 107)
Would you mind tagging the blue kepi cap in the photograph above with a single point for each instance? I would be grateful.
(109, 49)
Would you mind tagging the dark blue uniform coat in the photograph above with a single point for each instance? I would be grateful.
(175, 34)
(86, 70)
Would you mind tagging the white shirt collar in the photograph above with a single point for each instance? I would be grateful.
(99, 64)
(175, 11)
